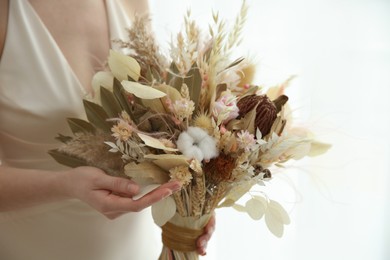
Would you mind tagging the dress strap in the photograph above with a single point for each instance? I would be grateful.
(4, 7)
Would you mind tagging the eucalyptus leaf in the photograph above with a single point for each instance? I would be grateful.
(255, 208)
(174, 79)
(276, 227)
(156, 74)
(278, 212)
(78, 125)
(109, 103)
(119, 95)
(163, 211)
(193, 80)
(149, 76)
(97, 116)
(66, 159)
(146, 173)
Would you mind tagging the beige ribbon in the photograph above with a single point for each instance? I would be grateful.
(180, 238)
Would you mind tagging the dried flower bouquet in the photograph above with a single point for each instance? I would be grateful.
(193, 116)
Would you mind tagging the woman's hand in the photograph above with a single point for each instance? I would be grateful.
(204, 239)
(112, 196)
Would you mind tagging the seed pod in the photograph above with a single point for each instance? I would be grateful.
(266, 111)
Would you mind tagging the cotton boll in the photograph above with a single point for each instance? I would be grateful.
(209, 148)
(197, 133)
(194, 152)
(196, 143)
(184, 141)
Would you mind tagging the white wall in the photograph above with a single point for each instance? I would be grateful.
(340, 50)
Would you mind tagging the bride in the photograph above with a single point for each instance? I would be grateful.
(49, 51)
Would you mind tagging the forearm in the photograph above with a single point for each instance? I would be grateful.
(20, 188)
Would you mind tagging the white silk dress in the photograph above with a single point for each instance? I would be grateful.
(38, 90)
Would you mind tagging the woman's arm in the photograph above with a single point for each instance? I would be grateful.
(112, 196)
(3, 23)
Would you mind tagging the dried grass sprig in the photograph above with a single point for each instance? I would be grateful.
(142, 42)
(91, 148)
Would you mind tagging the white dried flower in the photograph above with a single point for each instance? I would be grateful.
(181, 174)
(196, 143)
(183, 108)
(122, 130)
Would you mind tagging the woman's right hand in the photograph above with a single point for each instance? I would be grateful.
(112, 196)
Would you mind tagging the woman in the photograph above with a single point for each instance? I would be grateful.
(49, 53)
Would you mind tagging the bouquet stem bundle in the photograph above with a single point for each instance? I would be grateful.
(179, 237)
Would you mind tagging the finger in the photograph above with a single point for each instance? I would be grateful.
(203, 239)
(121, 204)
(118, 185)
(113, 215)
(158, 194)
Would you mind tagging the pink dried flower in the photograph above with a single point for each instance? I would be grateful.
(225, 108)
(246, 140)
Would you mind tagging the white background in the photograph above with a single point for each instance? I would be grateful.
(339, 203)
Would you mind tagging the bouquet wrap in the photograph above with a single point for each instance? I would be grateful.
(179, 237)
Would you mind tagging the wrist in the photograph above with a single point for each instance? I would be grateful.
(62, 183)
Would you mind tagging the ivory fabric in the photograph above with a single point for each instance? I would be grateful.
(38, 90)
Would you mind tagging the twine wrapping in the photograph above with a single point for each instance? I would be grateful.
(180, 238)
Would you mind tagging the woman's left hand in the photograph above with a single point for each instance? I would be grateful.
(204, 239)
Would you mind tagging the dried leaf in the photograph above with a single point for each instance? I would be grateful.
(66, 159)
(193, 80)
(248, 122)
(276, 227)
(63, 138)
(256, 207)
(318, 148)
(168, 161)
(278, 212)
(101, 79)
(142, 91)
(174, 79)
(236, 193)
(109, 103)
(123, 66)
(239, 208)
(155, 143)
(146, 173)
(119, 95)
(80, 126)
(163, 211)
(234, 63)
(96, 115)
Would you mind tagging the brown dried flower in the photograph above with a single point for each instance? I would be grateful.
(266, 110)
(220, 168)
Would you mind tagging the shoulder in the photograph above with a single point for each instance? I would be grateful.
(3, 23)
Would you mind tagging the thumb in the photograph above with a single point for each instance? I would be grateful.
(119, 185)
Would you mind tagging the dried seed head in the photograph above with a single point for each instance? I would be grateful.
(220, 168)
(266, 111)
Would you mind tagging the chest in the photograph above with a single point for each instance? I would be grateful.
(80, 29)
